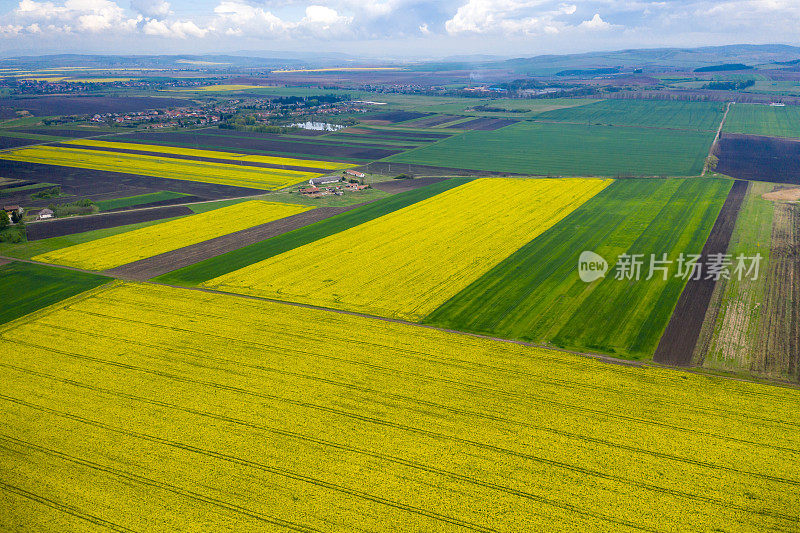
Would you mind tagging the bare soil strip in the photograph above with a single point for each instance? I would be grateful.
(14, 142)
(436, 120)
(484, 124)
(68, 226)
(783, 195)
(753, 157)
(189, 255)
(778, 348)
(63, 133)
(683, 330)
(399, 116)
(194, 158)
(95, 184)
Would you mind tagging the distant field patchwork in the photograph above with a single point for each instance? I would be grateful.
(406, 263)
(266, 144)
(569, 150)
(536, 294)
(148, 408)
(116, 250)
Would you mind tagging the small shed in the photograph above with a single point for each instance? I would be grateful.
(45, 213)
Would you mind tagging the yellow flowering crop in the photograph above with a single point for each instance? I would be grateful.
(124, 248)
(407, 263)
(224, 87)
(177, 150)
(148, 408)
(162, 167)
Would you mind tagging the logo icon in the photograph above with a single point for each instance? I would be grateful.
(591, 267)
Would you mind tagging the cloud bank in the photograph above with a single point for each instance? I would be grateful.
(492, 22)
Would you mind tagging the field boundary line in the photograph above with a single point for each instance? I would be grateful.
(716, 138)
(596, 356)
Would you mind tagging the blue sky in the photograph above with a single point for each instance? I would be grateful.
(389, 28)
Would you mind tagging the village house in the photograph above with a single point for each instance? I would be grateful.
(355, 173)
(13, 211)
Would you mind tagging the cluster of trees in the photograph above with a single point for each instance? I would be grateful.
(729, 85)
(80, 207)
(9, 233)
(53, 192)
(250, 123)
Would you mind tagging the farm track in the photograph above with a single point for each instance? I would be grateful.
(680, 338)
(713, 148)
(167, 262)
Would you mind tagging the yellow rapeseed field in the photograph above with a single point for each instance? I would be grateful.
(148, 408)
(162, 167)
(407, 263)
(224, 87)
(177, 150)
(124, 248)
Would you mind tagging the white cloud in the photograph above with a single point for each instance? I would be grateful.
(89, 16)
(151, 8)
(176, 29)
(238, 18)
(570, 22)
(10, 30)
(595, 24)
(510, 17)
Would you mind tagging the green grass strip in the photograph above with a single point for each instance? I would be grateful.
(27, 287)
(130, 201)
(216, 266)
(5, 192)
